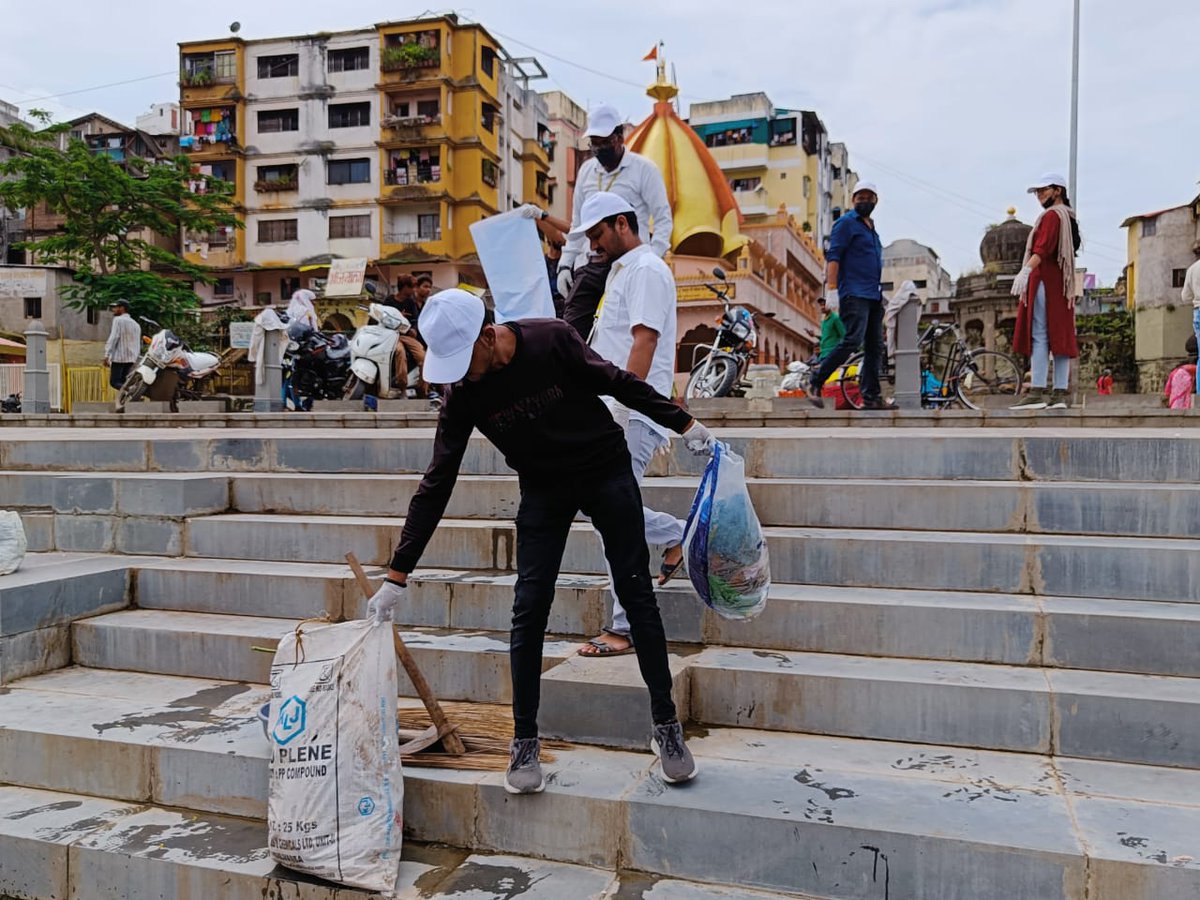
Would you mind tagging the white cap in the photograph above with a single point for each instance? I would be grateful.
(1048, 179)
(450, 324)
(865, 186)
(602, 121)
(598, 207)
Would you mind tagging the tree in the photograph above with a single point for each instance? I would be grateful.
(112, 213)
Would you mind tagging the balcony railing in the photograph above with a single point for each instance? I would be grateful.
(204, 78)
(413, 122)
(402, 179)
(411, 237)
(272, 185)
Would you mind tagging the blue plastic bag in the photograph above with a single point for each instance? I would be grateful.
(723, 542)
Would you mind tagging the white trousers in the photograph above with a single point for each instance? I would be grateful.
(661, 528)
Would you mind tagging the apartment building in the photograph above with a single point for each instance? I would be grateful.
(385, 142)
(568, 150)
(774, 158)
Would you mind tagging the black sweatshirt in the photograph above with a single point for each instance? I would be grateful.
(543, 412)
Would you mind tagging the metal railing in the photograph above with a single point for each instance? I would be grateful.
(411, 237)
(12, 381)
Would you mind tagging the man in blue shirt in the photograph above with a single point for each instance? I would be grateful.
(855, 267)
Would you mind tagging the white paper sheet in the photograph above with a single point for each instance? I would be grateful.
(511, 256)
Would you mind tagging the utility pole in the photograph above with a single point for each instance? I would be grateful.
(1074, 109)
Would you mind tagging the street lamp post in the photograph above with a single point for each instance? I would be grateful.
(1074, 107)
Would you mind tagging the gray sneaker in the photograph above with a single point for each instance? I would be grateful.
(675, 759)
(1058, 400)
(1035, 399)
(524, 774)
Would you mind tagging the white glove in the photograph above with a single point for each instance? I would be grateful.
(832, 301)
(698, 439)
(566, 277)
(382, 605)
(1021, 282)
(529, 211)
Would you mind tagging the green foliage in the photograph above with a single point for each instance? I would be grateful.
(1107, 342)
(121, 221)
(209, 331)
(406, 54)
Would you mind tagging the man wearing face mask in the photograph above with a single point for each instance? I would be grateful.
(630, 176)
(855, 267)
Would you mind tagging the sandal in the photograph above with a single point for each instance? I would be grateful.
(667, 570)
(604, 648)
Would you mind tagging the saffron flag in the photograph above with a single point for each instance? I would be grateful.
(653, 54)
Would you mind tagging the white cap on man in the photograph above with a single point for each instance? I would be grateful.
(866, 186)
(598, 207)
(450, 323)
(1048, 179)
(602, 121)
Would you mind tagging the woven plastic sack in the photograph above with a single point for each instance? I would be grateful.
(723, 542)
(335, 807)
(12, 541)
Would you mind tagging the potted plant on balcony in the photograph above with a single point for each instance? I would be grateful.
(196, 78)
(406, 55)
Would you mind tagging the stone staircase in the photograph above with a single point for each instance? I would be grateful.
(978, 674)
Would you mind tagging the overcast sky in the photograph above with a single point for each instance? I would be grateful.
(951, 106)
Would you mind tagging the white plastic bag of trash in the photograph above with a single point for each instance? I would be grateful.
(12, 541)
(336, 800)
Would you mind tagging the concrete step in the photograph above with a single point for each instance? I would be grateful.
(1131, 718)
(58, 845)
(1105, 635)
(917, 504)
(827, 817)
(1040, 452)
(1157, 569)
(458, 665)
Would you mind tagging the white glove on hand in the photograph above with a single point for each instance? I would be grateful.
(382, 605)
(1021, 282)
(529, 211)
(698, 439)
(566, 277)
(832, 301)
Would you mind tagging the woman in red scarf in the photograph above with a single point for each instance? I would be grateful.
(1046, 285)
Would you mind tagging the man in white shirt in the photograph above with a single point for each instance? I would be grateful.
(123, 345)
(635, 329)
(614, 169)
(1191, 294)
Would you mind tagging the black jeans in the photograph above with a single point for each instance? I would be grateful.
(117, 373)
(614, 504)
(863, 319)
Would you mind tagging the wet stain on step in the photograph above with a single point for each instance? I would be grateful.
(182, 714)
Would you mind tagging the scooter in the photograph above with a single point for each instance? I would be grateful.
(168, 370)
(372, 351)
(315, 366)
(721, 373)
(11, 404)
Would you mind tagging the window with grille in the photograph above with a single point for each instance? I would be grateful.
(352, 59)
(1178, 277)
(487, 61)
(348, 171)
(225, 66)
(275, 120)
(1149, 227)
(286, 65)
(429, 226)
(223, 287)
(350, 226)
(276, 231)
(93, 315)
(489, 117)
(287, 287)
(349, 115)
(33, 307)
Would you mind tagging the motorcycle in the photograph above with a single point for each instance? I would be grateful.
(316, 366)
(721, 373)
(168, 370)
(796, 380)
(372, 352)
(11, 404)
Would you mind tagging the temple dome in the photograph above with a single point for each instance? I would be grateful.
(707, 220)
(1003, 246)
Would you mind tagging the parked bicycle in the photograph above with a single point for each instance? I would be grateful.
(958, 375)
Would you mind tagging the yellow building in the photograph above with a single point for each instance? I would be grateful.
(385, 142)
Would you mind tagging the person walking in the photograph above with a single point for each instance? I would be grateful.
(1045, 323)
(615, 169)
(533, 388)
(854, 288)
(635, 330)
(832, 329)
(123, 345)
(1191, 294)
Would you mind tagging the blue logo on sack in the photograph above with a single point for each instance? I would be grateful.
(366, 806)
(290, 725)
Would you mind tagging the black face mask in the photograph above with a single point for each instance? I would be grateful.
(608, 156)
(1048, 202)
(865, 208)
